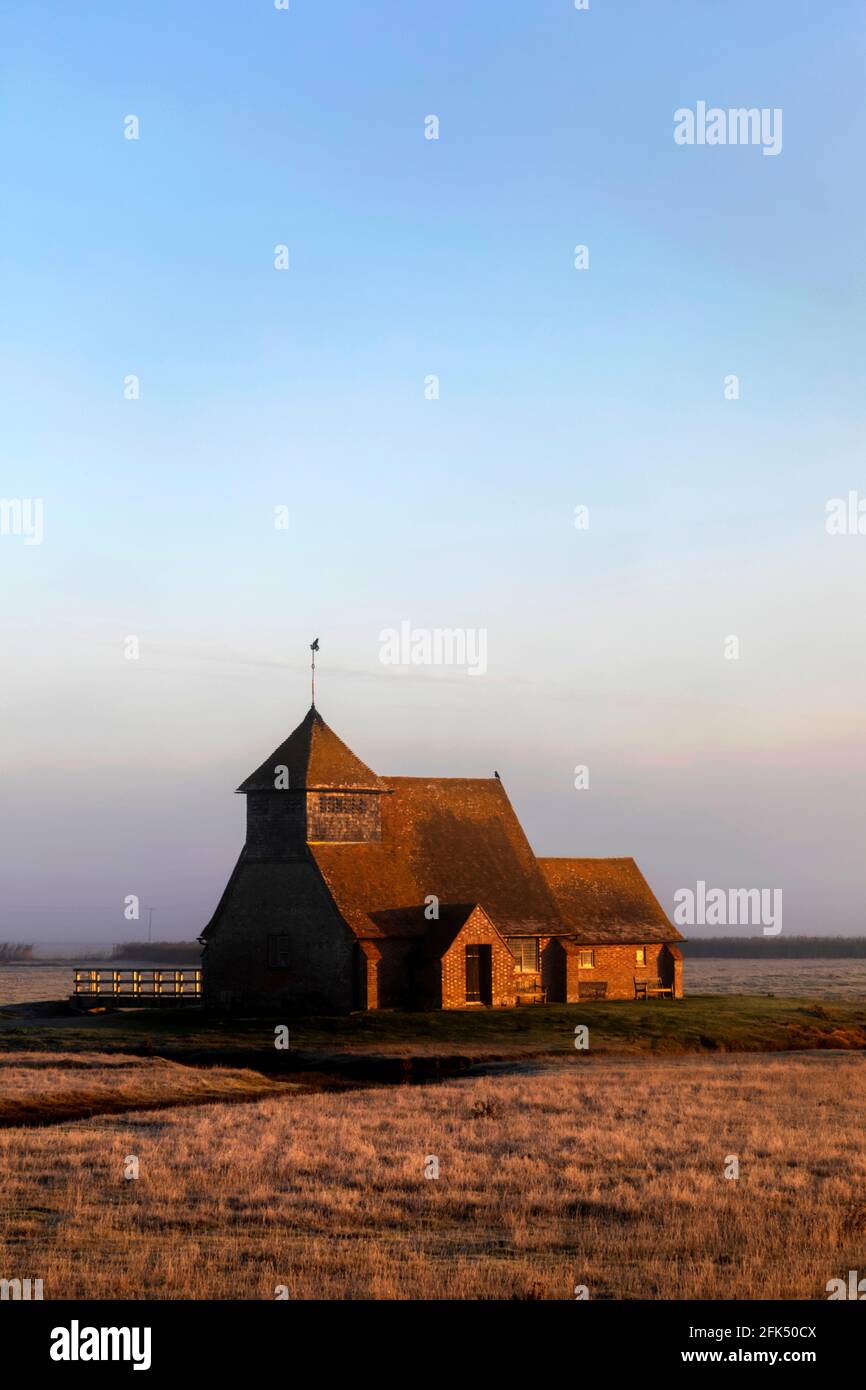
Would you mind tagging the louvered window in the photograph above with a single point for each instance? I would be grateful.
(344, 804)
(279, 952)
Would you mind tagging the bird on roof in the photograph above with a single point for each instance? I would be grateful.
(496, 775)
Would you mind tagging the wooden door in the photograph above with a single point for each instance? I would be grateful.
(479, 974)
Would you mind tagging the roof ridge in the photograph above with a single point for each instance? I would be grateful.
(586, 858)
(433, 778)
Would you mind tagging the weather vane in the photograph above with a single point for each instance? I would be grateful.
(314, 647)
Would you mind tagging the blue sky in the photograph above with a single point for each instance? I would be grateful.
(305, 388)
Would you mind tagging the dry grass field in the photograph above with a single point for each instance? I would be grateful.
(604, 1172)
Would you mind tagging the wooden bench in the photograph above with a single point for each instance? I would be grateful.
(532, 994)
(649, 989)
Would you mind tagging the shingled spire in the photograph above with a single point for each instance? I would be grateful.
(316, 760)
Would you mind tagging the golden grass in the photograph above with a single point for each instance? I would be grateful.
(607, 1172)
(36, 1088)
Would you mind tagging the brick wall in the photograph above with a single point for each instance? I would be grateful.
(367, 960)
(618, 967)
(478, 930)
(678, 970)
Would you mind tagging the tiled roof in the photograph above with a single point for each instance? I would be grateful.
(454, 838)
(607, 900)
(452, 919)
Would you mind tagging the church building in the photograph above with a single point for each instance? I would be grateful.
(358, 891)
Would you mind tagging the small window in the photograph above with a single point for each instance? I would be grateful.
(525, 952)
(279, 952)
(586, 960)
(640, 955)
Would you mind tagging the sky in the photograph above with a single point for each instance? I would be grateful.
(289, 468)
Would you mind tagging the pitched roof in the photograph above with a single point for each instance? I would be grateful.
(315, 757)
(607, 900)
(452, 919)
(263, 892)
(452, 837)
